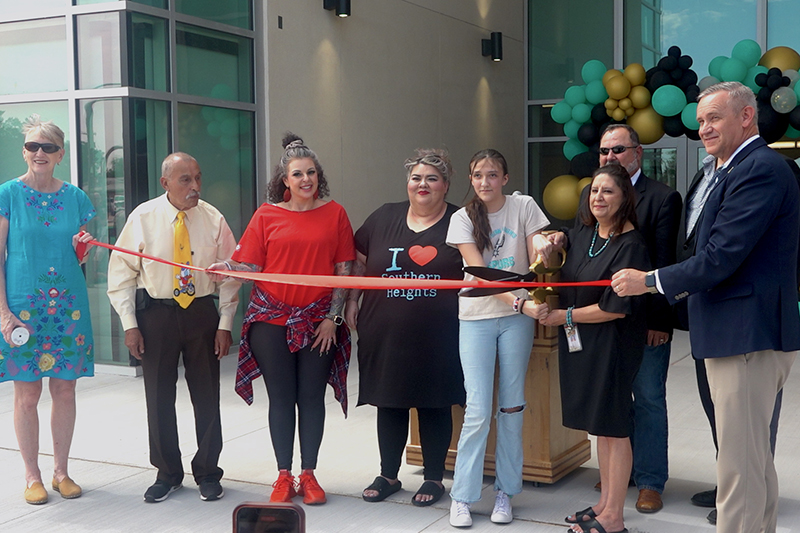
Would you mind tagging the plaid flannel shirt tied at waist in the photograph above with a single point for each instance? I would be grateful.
(299, 333)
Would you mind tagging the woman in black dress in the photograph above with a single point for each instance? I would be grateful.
(408, 338)
(603, 338)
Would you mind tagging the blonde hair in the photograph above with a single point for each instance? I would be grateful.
(34, 124)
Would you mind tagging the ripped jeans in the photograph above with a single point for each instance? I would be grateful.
(481, 342)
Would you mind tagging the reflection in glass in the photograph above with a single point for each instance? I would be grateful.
(42, 43)
(99, 57)
(150, 126)
(148, 52)
(200, 52)
(563, 36)
(12, 117)
(540, 124)
(10, 7)
(545, 161)
(233, 12)
(660, 164)
(101, 169)
(782, 23)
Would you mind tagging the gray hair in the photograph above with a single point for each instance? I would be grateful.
(435, 157)
(169, 161)
(34, 124)
(739, 96)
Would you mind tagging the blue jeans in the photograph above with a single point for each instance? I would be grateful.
(649, 437)
(507, 340)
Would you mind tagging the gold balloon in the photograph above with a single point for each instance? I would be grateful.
(648, 124)
(635, 73)
(611, 104)
(560, 197)
(618, 114)
(781, 57)
(583, 183)
(630, 111)
(618, 87)
(640, 97)
(610, 73)
(625, 104)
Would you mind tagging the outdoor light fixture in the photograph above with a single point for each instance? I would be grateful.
(493, 46)
(342, 7)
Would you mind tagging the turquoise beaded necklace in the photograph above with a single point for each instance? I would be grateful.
(594, 238)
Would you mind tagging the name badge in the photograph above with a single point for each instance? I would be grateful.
(573, 339)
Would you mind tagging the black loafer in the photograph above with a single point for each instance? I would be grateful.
(706, 498)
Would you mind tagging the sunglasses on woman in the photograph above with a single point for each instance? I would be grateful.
(616, 149)
(48, 148)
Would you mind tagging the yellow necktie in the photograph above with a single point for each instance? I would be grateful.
(183, 282)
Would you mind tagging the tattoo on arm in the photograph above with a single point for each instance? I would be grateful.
(338, 296)
(247, 267)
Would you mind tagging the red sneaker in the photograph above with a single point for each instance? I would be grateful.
(309, 489)
(283, 488)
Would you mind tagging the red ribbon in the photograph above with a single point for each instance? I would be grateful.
(359, 282)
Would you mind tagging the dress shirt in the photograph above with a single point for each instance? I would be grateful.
(150, 230)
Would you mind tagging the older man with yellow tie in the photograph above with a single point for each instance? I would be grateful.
(168, 311)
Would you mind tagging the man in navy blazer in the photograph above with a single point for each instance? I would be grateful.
(741, 286)
(658, 213)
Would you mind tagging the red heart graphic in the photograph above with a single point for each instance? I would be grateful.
(422, 255)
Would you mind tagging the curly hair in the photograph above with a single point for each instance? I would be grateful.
(293, 148)
(437, 158)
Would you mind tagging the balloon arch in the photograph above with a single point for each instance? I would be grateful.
(663, 101)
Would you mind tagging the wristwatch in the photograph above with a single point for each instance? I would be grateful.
(337, 319)
(650, 282)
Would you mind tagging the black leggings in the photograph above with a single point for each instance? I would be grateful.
(435, 430)
(292, 379)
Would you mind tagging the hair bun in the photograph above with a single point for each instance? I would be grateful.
(291, 140)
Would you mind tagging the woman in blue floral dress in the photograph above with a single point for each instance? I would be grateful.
(44, 306)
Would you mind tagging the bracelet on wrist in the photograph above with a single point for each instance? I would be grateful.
(517, 305)
(570, 324)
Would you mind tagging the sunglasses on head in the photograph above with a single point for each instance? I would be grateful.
(616, 149)
(48, 148)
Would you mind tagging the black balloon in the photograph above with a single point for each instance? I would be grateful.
(764, 94)
(676, 74)
(794, 118)
(692, 93)
(685, 62)
(599, 114)
(771, 124)
(774, 71)
(674, 51)
(583, 165)
(659, 79)
(668, 63)
(588, 134)
(786, 81)
(693, 134)
(774, 82)
(673, 126)
(761, 79)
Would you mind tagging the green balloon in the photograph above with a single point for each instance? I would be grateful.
(689, 116)
(593, 70)
(797, 90)
(561, 112)
(575, 95)
(733, 70)
(582, 113)
(715, 66)
(750, 78)
(571, 129)
(596, 92)
(573, 148)
(792, 133)
(747, 51)
(669, 100)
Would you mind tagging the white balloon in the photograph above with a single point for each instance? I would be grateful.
(707, 82)
(783, 100)
(792, 75)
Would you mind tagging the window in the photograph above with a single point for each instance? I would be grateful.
(12, 117)
(99, 56)
(34, 42)
(148, 52)
(233, 12)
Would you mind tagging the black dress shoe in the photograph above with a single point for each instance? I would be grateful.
(706, 498)
(712, 516)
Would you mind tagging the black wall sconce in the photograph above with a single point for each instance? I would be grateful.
(342, 7)
(493, 46)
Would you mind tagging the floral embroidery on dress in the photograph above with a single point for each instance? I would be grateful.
(47, 205)
(53, 342)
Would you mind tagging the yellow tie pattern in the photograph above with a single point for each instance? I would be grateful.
(183, 284)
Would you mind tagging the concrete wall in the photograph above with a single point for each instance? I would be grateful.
(365, 91)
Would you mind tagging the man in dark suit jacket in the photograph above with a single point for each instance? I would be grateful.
(658, 212)
(687, 241)
(741, 286)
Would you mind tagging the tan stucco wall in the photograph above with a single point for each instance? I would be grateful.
(365, 91)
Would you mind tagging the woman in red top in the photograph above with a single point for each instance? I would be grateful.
(295, 335)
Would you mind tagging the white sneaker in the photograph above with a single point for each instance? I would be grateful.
(459, 514)
(501, 514)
